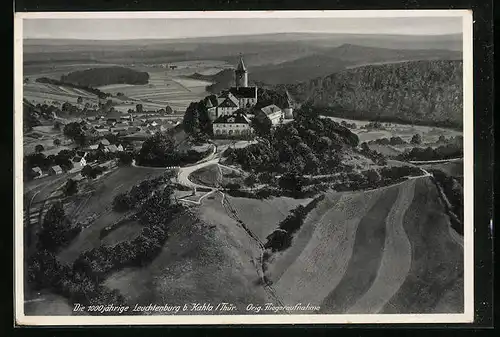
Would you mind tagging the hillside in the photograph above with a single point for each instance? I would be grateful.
(345, 56)
(101, 76)
(389, 250)
(426, 92)
(221, 80)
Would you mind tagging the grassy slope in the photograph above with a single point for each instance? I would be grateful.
(437, 260)
(202, 261)
(385, 251)
(315, 263)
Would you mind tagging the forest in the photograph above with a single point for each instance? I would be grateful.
(96, 77)
(418, 92)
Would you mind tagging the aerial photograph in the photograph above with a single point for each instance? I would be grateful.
(242, 166)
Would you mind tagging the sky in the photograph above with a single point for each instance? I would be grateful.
(140, 28)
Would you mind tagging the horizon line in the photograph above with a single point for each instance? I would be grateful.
(232, 35)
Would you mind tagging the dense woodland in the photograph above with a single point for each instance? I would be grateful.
(309, 145)
(96, 77)
(419, 92)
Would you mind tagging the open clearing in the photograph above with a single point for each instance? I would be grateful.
(264, 216)
(369, 252)
(429, 134)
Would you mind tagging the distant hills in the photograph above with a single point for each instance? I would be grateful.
(342, 57)
(258, 50)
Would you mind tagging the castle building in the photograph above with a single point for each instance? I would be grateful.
(239, 96)
(241, 75)
(236, 125)
(271, 112)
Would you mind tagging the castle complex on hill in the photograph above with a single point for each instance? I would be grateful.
(228, 110)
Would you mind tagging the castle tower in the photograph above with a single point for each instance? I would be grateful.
(241, 75)
(288, 108)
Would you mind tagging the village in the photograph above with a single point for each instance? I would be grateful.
(231, 113)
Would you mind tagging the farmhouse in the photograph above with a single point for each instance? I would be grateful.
(78, 163)
(55, 170)
(272, 113)
(36, 172)
(104, 142)
(235, 125)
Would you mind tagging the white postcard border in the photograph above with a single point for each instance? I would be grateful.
(468, 132)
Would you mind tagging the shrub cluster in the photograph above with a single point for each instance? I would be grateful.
(448, 151)
(281, 238)
(137, 194)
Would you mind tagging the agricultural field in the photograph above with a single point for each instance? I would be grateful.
(384, 251)
(45, 93)
(429, 134)
(165, 87)
(45, 135)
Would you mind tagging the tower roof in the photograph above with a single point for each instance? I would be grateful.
(241, 65)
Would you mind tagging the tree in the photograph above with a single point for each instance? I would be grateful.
(373, 176)
(262, 127)
(57, 142)
(139, 108)
(89, 172)
(191, 120)
(121, 202)
(39, 148)
(158, 150)
(54, 230)
(169, 110)
(125, 158)
(416, 139)
(79, 100)
(291, 182)
(74, 131)
(251, 180)
(57, 125)
(71, 187)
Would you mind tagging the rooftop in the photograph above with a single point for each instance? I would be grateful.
(270, 109)
(244, 92)
(232, 119)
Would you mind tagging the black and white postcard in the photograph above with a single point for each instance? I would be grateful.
(244, 167)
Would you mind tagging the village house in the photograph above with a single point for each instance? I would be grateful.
(55, 170)
(78, 163)
(235, 125)
(36, 172)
